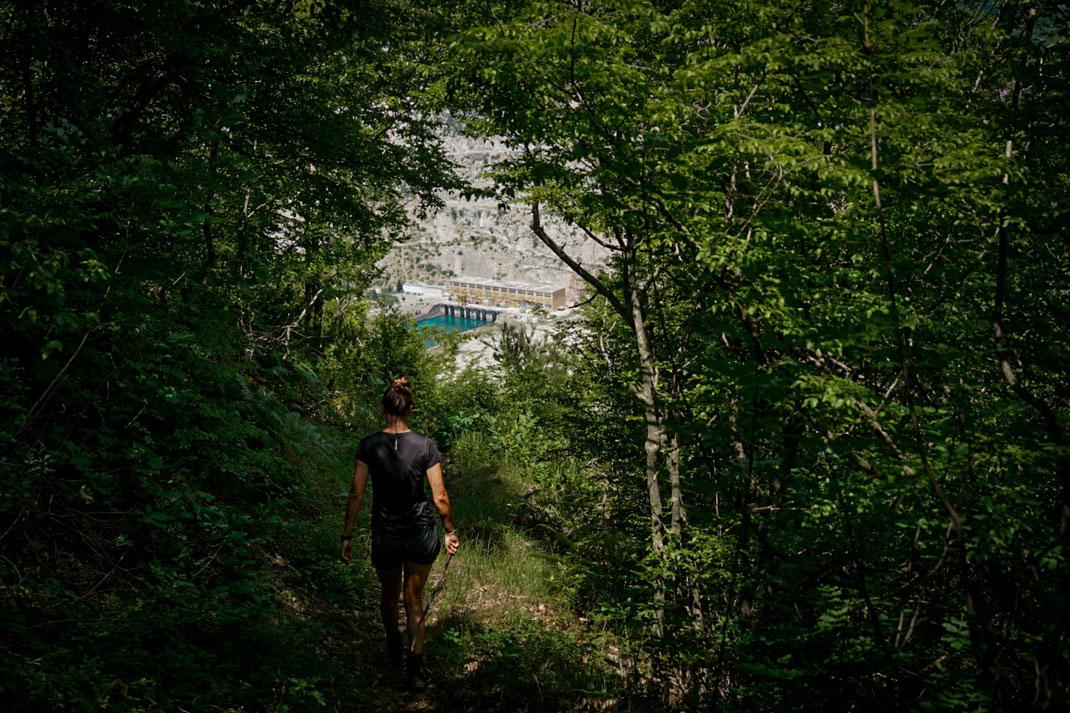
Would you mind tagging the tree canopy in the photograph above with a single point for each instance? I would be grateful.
(803, 448)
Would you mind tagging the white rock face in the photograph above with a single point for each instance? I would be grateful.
(479, 238)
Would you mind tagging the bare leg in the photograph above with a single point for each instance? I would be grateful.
(415, 578)
(391, 592)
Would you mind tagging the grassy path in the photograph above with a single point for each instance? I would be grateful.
(500, 635)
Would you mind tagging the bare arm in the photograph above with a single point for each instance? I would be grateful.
(442, 504)
(356, 497)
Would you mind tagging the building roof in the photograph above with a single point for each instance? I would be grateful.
(507, 284)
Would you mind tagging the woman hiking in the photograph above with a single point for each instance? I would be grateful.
(404, 533)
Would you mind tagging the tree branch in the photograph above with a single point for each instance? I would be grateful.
(590, 279)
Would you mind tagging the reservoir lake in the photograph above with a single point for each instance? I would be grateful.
(451, 323)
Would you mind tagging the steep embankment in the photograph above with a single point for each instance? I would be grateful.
(482, 237)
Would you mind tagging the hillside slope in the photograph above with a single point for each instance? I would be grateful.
(482, 238)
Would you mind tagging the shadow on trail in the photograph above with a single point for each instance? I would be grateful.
(525, 664)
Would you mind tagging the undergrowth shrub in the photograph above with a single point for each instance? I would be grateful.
(140, 529)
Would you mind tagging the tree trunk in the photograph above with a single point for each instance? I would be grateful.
(672, 461)
(655, 434)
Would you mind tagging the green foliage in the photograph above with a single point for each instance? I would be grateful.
(804, 450)
(818, 217)
(192, 196)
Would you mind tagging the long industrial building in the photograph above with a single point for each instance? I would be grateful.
(497, 293)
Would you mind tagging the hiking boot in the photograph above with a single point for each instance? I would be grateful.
(394, 649)
(417, 673)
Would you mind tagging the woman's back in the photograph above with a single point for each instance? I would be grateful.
(398, 465)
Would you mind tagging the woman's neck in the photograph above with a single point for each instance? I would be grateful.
(396, 425)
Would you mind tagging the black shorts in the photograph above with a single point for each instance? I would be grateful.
(391, 552)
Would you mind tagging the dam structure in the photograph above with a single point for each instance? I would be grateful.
(456, 318)
(474, 303)
(478, 314)
(467, 311)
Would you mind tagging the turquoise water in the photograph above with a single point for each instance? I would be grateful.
(450, 324)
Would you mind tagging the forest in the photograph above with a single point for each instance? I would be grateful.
(804, 447)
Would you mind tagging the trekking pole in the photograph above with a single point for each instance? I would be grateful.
(430, 598)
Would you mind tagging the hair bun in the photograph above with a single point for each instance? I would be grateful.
(397, 399)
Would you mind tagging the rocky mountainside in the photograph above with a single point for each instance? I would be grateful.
(478, 238)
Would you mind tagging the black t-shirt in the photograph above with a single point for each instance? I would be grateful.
(398, 463)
